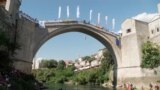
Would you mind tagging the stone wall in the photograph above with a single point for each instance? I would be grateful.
(132, 52)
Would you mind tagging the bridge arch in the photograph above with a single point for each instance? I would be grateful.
(106, 38)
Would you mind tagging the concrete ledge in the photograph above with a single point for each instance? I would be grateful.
(141, 81)
(20, 60)
(23, 66)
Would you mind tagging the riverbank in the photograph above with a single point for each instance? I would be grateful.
(140, 86)
(13, 79)
(52, 86)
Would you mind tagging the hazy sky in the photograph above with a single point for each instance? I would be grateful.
(73, 45)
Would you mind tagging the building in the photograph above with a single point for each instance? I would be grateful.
(36, 63)
(83, 64)
(5, 24)
(99, 54)
(68, 62)
(135, 31)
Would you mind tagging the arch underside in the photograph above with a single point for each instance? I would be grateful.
(102, 37)
(97, 34)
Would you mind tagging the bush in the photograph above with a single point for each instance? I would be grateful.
(151, 55)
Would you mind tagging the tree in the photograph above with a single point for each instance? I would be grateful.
(86, 58)
(61, 65)
(48, 64)
(107, 63)
(7, 49)
(89, 59)
(151, 55)
(52, 63)
(44, 64)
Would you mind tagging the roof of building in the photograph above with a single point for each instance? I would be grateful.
(145, 17)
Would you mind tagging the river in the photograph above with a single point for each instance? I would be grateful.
(74, 87)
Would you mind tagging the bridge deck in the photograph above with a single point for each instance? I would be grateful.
(83, 23)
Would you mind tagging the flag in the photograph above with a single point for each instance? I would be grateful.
(113, 24)
(67, 11)
(59, 12)
(99, 15)
(106, 19)
(90, 15)
(78, 12)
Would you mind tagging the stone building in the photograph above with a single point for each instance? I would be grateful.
(135, 31)
(84, 64)
(36, 63)
(5, 20)
(9, 16)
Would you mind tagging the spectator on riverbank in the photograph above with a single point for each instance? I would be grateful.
(151, 86)
(2, 80)
(157, 87)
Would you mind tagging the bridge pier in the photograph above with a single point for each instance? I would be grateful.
(23, 65)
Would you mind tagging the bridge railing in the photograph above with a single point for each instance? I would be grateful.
(22, 14)
(34, 20)
(68, 22)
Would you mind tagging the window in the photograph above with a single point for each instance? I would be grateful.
(152, 31)
(128, 30)
(157, 29)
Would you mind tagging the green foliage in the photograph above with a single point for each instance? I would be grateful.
(7, 50)
(7, 44)
(151, 55)
(63, 74)
(88, 58)
(23, 83)
(54, 75)
(61, 65)
(91, 76)
(107, 62)
(48, 64)
(4, 40)
(52, 64)
(2, 88)
(4, 54)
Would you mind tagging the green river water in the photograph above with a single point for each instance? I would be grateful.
(74, 87)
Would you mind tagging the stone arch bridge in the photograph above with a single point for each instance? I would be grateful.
(31, 36)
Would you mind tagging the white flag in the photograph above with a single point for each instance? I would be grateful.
(90, 15)
(113, 24)
(99, 15)
(106, 19)
(67, 11)
(59, 12)
(78, 12)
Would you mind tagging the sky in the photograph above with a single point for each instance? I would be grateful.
(70, 46)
